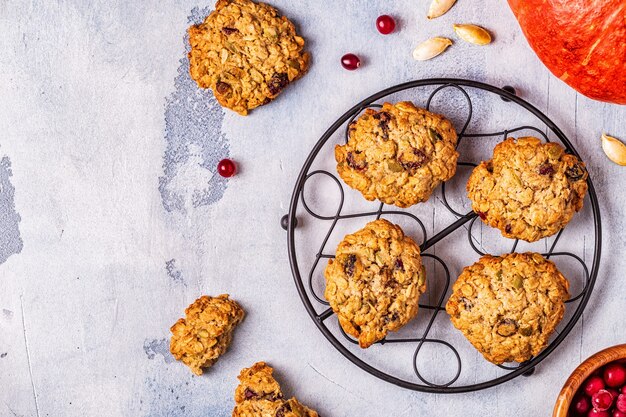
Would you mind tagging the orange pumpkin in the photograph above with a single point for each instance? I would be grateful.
(583, 42)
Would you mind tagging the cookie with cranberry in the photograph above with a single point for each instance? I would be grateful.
(375, 281)
(398, 154)
(259, 395)
(529, 189)
(508, 306)
(205, 333)
(247, 53)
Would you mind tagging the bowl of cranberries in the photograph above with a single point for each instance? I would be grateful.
(597, 388)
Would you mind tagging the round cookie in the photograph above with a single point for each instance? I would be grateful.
(529, 189)
(507, 307)
(205, 333)
(398, 154)
(246, 53)
(374, 282)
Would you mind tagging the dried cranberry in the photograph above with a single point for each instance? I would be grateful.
(468, 304)
(383, 116)
(222, 87)
(277, 83)
(546, 169)
(248, 393)
(418, 162)
(489, 167)
(482, 215)
(399, 264)
(391, 317)
(507, 228)
(575, 172)
(353, 163)
(348, 265)
(229, 31)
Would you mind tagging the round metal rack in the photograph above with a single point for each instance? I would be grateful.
(318, 308)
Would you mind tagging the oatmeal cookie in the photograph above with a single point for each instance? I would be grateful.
(205, 333)
(246, 53)
(529, 189)
(398, 154)
(508, 306)
(259, 395)
(374, 282)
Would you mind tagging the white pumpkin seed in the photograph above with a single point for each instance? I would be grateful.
(439, 8)
(473, 34)
(614, 149)
(431, 48)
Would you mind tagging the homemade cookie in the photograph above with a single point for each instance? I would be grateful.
(508, 306)
(374, 282)
(529, 189)
(259, 395)
(398, 154)
(200, 338)
(246, 53)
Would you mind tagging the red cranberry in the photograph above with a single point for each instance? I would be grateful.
(617, 413)
(581, 404)
(602, 400)
(614, 375)
(593, 385)
(623, 390)
(385, 24)
(596, 413)
(620, 404)
(226, 168)
(350, 62)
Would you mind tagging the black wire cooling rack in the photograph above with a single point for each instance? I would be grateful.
(323, 312)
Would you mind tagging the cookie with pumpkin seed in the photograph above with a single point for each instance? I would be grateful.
(247, 53)
(375, 281)
(529, 189)
(398, 154)
(205, 333)
(259, 395)
(508, 306)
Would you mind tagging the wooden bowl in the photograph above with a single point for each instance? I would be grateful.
(581, 373)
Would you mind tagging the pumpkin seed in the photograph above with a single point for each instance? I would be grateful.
(614, 149)
(431, 48)
(518, 282)
(555, 151)
(434, 135)
(439, 8)
(294, 64)
(526, 331)
(499, 275)
(394, 166)
(473, 34)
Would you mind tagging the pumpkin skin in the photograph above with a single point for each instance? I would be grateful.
(583, 42)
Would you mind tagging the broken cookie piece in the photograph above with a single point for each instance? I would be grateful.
(259, 395)
(205, 333)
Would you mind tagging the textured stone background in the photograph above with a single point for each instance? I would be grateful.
(112, 220)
